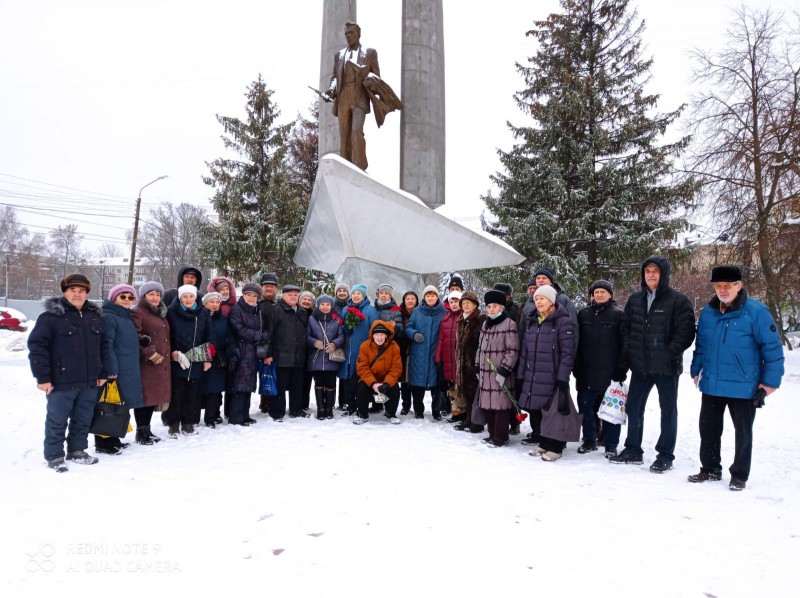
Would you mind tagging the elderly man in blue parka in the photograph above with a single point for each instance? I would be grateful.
(738, 355)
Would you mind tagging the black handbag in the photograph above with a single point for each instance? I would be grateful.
(110, 419)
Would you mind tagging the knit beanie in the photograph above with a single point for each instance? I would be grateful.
(187, 288)
(325, 299)
(252, 287)
(361, 288)
(543, 272)
(209, 296)
(119, 289)
(454, 295)
(307, 294)
(342, 285)
(456, 281)
(602, 284)
(150, 285)
(548, 292)
(430, 289)
(384, 287)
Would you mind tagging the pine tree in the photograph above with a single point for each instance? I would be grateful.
(260, 204)
(587, 190)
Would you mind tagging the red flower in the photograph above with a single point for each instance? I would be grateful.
(395, 308)
(521, 417)
(212, 350)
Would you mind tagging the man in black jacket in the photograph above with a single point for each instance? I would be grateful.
(660, 328)
(600, 359)
(68, 351)
(269, 290)
(285, 326)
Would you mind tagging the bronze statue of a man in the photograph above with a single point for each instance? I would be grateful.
(355, 83)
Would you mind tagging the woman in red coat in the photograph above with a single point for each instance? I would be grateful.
(445, 357)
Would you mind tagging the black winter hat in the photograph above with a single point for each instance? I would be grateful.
(726, 274)
(503, 287)
(495, 296)
(270, 278)
(602, 284)
(381, 328)
(456, 280)
(252, 287)
(542, 272)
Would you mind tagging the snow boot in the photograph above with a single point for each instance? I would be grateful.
(660, 466)
(188, 430)
(174, 431)
(626, 457)
(737, 485)
(81, 457)
(705, 476)
(58, 465)
(143, 435)
(588, 446)
(319, 395)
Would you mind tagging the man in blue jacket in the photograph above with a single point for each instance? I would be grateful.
(737, 354)
(67, 352)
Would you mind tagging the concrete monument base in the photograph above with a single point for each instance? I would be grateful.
(365, 232)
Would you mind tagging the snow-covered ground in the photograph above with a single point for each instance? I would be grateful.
(308, 508)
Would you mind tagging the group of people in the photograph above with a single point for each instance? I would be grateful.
(188, 353)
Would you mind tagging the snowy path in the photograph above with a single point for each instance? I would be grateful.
(309, 508)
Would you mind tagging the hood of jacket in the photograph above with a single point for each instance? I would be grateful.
(113, 308)
(58, 306)
(192, 270)
(217, 279)
(386, 324)
(664, 266)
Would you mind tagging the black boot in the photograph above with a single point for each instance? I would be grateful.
(319, 395)
(329, 395)
(143, 435)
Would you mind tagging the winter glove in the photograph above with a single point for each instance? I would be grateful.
(418, 338)
(620, 377)
(156, 359)
(144, 340)
(319, 345)
(501, 380)
(233, 365)
(384, 388)
(330, 348)
(183, 361)
(562, 385)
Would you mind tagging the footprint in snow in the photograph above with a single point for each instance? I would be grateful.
(277, 551)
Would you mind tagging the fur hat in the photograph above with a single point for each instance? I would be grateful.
(430, 289)
(75, 280)
(269, 278)
(187, 288)
(252, 287)
(471, 296)
(495, 296)
(342, 285)
(726, 274)
(602, 284)
(119, 289)
(361, 288)
(209, 296)
(150, 285)
(504, 287)
(547, 292)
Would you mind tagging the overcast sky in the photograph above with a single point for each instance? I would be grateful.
(105, 96)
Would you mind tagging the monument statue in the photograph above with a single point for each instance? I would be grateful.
(355, 84)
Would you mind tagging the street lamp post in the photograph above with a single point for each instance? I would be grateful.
(136, 228)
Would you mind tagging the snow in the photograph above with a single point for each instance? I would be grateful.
(308, 508)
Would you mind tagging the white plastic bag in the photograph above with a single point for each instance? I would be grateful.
(612, 409)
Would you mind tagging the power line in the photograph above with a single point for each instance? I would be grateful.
(64, 187)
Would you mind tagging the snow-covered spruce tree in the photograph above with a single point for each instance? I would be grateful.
(588, 190)
(260, 204)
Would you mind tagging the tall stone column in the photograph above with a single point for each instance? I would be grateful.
(335, 13)
(422, 121)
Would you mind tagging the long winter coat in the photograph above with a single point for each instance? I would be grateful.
(561, 299)
(188, 328)
(286, 331)
(467, 339)
(156, 379)
(326, 328)
(658, 338)
(499, 342)
(421, 367)
(446, 344)
(123, 362)
(68, 347)
(737, 350)
(404, 344)
(354, 338)
(226, 306)
(547, 355)
(386, 368)
(215, 379)
(245, 324)
(601, 346)
(172, 294)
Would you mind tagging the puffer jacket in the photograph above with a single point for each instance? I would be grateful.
(68, 347)
(561, 299)
(386, 368)
(601, 346)
(245, 324)
(172, 294)
(188, 328)
(421, 367)
(152, 322)
(124, 354)
(286, 332)
(326, 328)
(737, 350)
(215, 379)
(499, 342)
(446, 344)
(658, 338)
(354, 338)
(390, 312)
(546, 357)
(467, 338)
(226, 306)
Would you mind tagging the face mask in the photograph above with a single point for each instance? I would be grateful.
(496, 316)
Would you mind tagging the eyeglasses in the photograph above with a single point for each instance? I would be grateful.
(125, 296)
(724, 286)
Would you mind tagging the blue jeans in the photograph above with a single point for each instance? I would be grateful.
(641, 385)
(68, 410)
(588, 403)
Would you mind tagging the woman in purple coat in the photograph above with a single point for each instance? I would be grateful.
(325, 335)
